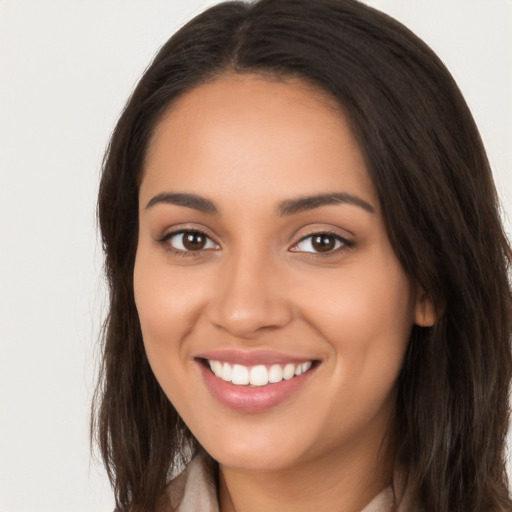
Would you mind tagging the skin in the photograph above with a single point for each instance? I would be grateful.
(247, 144)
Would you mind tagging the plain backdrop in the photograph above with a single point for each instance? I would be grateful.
(66, 69)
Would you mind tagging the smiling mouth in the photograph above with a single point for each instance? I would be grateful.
(257, 375)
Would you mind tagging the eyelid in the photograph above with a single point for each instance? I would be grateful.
(165, 232)
(166, 238)
(345, 243)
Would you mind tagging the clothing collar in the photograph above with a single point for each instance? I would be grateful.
(194, 489)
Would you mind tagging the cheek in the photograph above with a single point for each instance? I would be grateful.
(357, 303)
(167, 307)
(366, 316)
(161, 296)
(367, 321)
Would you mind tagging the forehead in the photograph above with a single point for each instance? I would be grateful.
(242, 133)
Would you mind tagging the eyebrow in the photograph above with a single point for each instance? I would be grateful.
(188, 200)
(288, 207)
(306, 203)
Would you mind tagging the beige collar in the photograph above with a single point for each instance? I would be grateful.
(194, 490)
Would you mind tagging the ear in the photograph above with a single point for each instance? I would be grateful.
(425, 314)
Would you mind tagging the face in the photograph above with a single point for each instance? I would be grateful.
(274, 312)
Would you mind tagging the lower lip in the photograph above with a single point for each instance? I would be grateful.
(249, 398)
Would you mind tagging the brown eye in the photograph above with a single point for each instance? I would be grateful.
(323, 242)
(194, 241)
(190, 241)
(318, 243)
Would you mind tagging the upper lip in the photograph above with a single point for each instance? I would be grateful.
(250, 358)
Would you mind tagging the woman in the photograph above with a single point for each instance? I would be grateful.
(309, 297)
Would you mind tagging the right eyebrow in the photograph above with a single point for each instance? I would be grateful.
(303, 204)
(188, 200)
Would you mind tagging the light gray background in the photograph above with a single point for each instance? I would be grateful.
(66, 69)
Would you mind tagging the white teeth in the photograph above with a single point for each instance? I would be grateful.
(275, 374)
(226, 372)
(258, 375)
(216, 367)
(306, 366)
(240, 375)
(289, 371)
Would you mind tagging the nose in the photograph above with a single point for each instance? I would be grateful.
(250, 298)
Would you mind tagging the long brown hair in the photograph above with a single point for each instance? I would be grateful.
(429, 167)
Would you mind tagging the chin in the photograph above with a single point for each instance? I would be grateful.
(265, 451)
(253, 461)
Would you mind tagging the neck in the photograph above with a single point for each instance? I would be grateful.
(339, 481)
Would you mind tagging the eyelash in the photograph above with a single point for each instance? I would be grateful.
(166, 241)
(343, 244)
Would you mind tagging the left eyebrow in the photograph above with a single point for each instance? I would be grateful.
(187, 200)
(306, 203)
